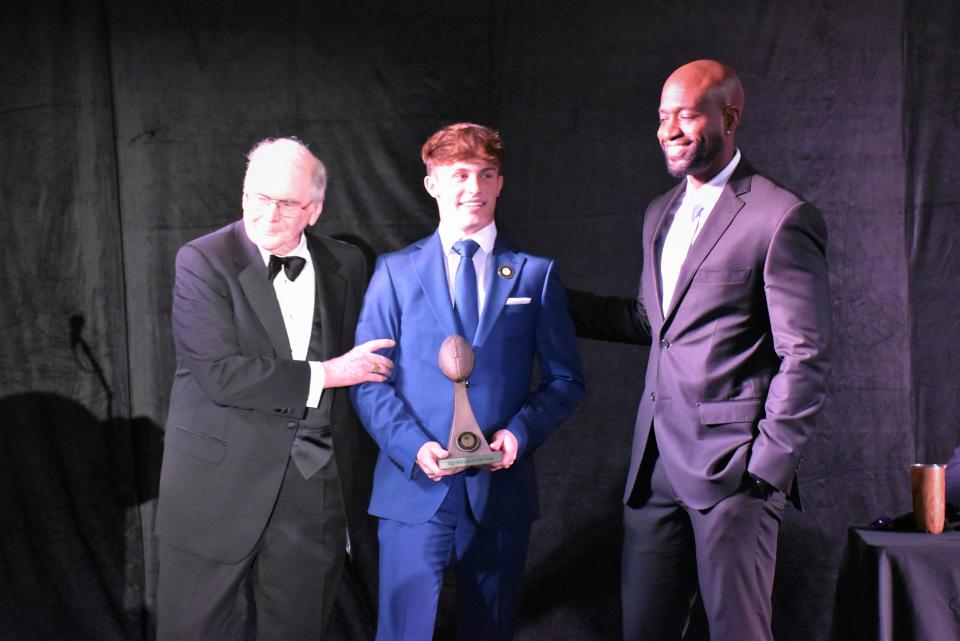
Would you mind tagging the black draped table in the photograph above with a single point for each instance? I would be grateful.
(899, 586)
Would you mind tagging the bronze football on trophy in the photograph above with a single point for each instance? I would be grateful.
(456, 358)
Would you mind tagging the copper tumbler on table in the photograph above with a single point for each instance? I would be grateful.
(929, 484)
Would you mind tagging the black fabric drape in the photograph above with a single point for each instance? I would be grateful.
(123, 128)
(71, 556)
(932, 218)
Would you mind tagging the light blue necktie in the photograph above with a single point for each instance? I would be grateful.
(465, 289)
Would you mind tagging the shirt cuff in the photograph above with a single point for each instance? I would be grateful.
(318, 376)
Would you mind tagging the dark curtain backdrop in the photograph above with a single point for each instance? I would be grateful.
(123, 128)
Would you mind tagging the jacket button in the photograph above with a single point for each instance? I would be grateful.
(653, 396)
(291, 425)
(665, 344)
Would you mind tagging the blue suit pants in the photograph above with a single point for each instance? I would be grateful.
(412, 561)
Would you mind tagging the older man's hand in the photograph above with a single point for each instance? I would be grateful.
(360, 365)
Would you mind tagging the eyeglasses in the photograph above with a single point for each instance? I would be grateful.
(287, 208)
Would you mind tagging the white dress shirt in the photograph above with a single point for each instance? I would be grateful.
(296, 299)
(691, 214)
(486, 238)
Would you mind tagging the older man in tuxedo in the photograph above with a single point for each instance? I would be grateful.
(263, 457)
(734, 298)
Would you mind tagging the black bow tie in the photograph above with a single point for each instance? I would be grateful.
(292, 266)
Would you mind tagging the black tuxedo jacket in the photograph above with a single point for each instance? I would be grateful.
(237, 395)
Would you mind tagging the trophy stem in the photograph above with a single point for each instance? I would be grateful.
(467, 445)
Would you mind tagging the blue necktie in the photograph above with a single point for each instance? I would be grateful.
(465, 289)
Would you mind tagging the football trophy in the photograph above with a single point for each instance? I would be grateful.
(467, 446)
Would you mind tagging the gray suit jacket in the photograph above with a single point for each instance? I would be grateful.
(738, 363)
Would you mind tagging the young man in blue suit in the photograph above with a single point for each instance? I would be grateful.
(511, 307)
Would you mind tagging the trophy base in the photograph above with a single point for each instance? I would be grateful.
(469, 461)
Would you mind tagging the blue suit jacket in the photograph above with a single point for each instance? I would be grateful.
(408, 300)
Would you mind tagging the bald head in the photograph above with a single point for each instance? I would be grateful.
(709, 79)
(700, 108)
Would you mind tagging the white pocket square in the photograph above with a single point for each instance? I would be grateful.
(518, 301)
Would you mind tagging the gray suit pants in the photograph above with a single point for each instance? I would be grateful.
(670, 552)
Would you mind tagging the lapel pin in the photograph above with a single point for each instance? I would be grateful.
(505, 271)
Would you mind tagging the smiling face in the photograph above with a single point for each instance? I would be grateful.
(279, 197)
(699, 110)
(466, 192)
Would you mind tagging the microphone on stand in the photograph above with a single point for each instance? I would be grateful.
(77, 321)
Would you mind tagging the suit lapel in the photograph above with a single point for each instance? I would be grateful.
(499, 288)
(331, 290)
(728, 206)
(660, 229)
(428, 264)
(259, 291)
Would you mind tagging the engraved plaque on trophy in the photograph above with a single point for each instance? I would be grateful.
(467, 446)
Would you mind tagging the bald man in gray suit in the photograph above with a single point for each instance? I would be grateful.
(734, 301)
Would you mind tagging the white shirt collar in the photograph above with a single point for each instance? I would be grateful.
(709, 192)
(485, 237)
